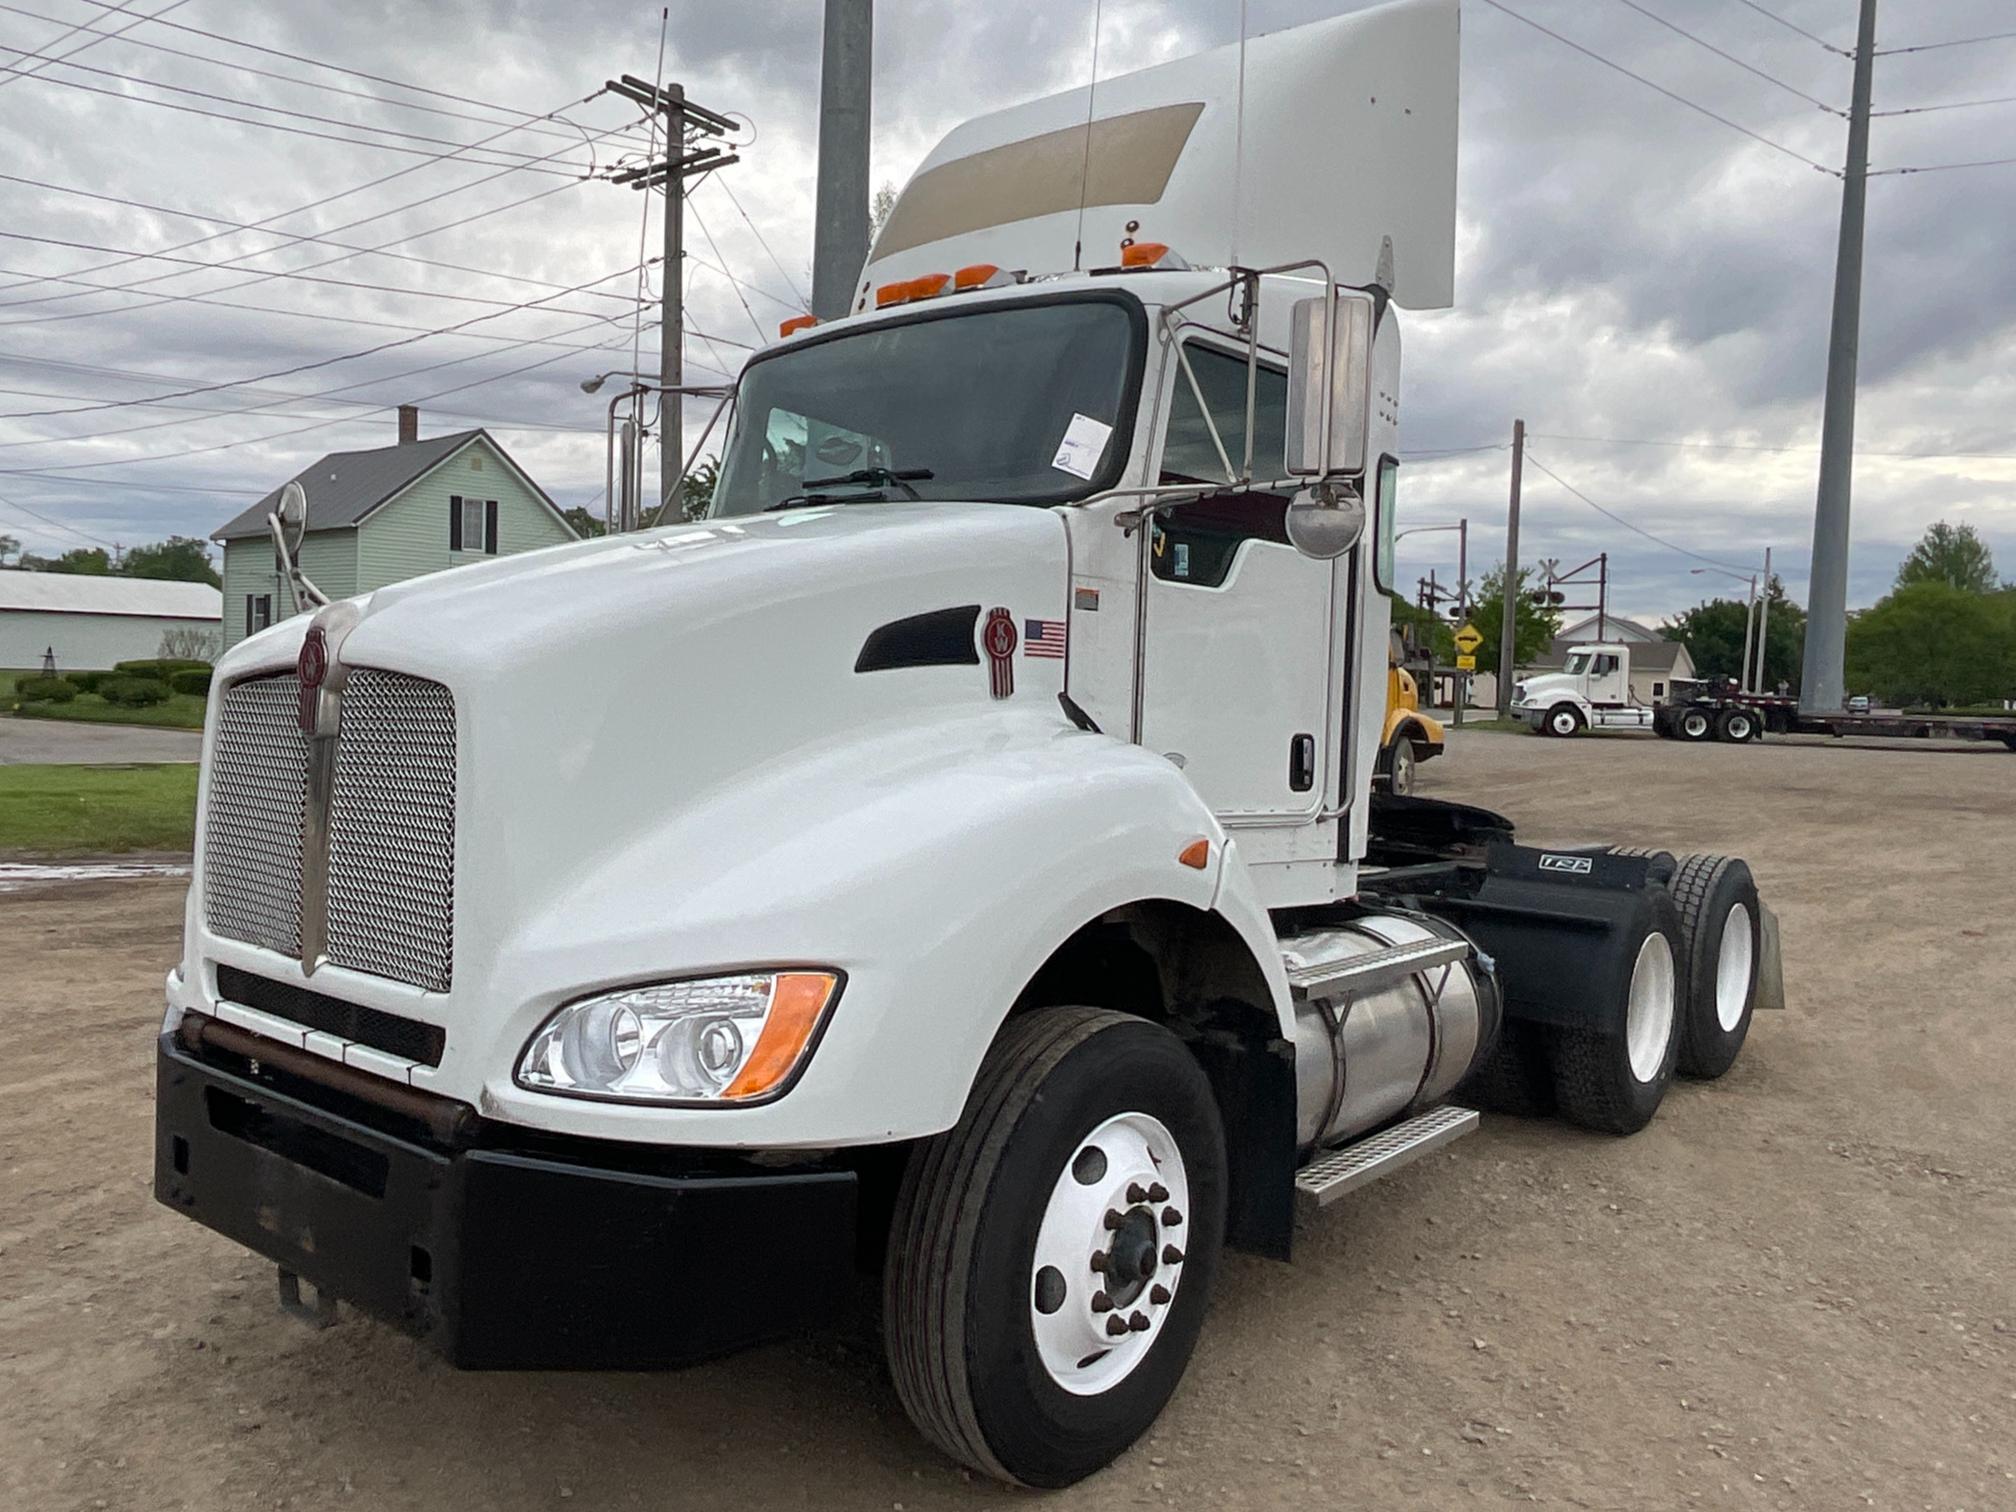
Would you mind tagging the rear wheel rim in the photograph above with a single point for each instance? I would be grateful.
(1109, 1247)
(1739, 727)
(1694, 726)
(1732, 968)
(1648, 1016)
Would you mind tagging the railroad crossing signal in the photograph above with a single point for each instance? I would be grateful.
(1468, 639)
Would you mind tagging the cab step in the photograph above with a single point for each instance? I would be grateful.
(1368, 971)
(1332, 1174)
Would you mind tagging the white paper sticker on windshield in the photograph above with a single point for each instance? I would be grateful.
(1083, 445)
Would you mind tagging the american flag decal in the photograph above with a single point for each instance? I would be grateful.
(1043, 638)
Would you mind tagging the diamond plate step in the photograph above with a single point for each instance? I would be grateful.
(1379, 968)
(1330, 1176)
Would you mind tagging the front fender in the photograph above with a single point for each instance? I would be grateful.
(938, 867)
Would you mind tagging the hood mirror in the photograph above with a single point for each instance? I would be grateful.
(1326, 521)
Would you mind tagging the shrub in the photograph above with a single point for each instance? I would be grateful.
(87, 682)
(45, 690)
(196, 680)
(133, 692)
(157, 667)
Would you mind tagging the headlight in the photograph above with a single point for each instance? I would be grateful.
(732, 1039)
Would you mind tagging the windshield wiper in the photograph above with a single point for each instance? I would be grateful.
(811, 500)
(885, 475)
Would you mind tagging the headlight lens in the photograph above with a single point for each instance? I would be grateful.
(722, 1039)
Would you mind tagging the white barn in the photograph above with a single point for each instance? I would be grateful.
(92, 622)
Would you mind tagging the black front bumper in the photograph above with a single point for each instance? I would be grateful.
(501, 1258)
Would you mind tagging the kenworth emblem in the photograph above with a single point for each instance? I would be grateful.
(999, 640)
(322, 675)
(310, 668)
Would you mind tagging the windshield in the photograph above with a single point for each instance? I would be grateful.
(1017, 404)
(1578, 663)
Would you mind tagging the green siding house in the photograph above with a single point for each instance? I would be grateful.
(377, 517)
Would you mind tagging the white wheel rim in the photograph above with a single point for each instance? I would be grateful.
(1403, 770)
(1697, 724)
(1564, 724)
(1118, 1170)
(1648, 1019)
(1732, 967)
(1740, 727)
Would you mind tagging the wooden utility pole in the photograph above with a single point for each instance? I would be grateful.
(1508, 635)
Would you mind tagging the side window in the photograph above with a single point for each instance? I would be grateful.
(1605, 665)
(1388, 522)
(1197, 543)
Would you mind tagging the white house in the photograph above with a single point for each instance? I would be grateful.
(89, 623)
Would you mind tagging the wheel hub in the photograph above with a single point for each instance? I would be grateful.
(1109, 1255)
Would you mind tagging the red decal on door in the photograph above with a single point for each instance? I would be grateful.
(998, 638)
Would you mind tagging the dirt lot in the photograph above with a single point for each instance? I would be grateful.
(1794, 1290)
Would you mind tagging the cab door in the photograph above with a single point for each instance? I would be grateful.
(1237, 669)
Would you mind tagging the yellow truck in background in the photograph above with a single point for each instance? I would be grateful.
(1411, 737)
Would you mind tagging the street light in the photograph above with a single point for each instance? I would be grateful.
(1462, 529)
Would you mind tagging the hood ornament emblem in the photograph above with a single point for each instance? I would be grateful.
(998, 638)
(311, 668)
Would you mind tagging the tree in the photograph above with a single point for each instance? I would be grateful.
(1713, 633)
(1951, 554)
(696, 493)
(181, 559)
(8, 546)
(1424, 629)
(879, 208)
(1534, 627)
(87, 561)
(585, 525)
(1931, 643)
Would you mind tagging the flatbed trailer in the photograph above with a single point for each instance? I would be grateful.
(1729, 714)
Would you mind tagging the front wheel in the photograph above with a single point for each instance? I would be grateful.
(1563, 719)
(1052, 1254)
(1400, 766)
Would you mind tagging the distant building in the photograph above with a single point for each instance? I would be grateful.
(88, 623)
(381, 516)
(1614, 629)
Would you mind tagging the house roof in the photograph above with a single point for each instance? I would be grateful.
(1615, 628)
(74, 593)
(344, 487)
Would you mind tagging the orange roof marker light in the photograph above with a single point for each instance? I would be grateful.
(796, 324)
(981, 276)
(1151, 255)
(906, 289)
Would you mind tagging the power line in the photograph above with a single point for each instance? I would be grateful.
(201, 488)
(1948, 105)
(1639, 529)
(1892, 52)
(1652, 15)
(264, 73)
(1680, 99)
(355, 73)
(11, 74)
(1754, 446)
(1770, 14)
(1943, 167)
(58, 524)
(789, 282)
(231, 225)
(754, 323)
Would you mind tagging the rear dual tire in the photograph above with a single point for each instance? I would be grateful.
(1613, 1082)
(988, 1276)
(1719, 917)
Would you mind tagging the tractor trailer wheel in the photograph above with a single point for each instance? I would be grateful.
(1562, 719)
(1693, 724)
(1399, 765)
(1613, 1081)
(1737, 726)
(1052, 1254)
(1719, 923)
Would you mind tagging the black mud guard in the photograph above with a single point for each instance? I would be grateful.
(1406, 830)
(1562, 927)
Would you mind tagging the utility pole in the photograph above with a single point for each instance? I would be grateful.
(1509, 631)
(669, 175)
(1462, 611)
(1820, 688)
(840, 214)
(1763, 621)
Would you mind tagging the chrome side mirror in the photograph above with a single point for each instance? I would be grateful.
(1326, 521)
(1329, 384)
(293, 516)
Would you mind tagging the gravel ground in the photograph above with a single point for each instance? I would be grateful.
(1793, 1290)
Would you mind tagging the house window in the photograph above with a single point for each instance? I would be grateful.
(475, 464)
(1658, 690)
(472, 524)
(258, 612)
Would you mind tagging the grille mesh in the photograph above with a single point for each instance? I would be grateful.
(391, 825)
(252, 840)
(392, 831)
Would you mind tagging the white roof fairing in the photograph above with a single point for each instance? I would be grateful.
(1347, 142)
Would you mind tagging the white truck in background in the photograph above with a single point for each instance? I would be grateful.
(957, 857)
(1591, 691)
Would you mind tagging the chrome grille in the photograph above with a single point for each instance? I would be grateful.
(391, 894)
(392, 830)
(252, 837)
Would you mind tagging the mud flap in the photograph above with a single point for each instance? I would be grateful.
(1770, 964)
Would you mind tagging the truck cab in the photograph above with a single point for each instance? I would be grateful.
(1410, 737)
(1592, 690)
(957, 857)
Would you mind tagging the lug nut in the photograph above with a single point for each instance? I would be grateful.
(1111, 1220)
(1157, 1294)
(1099, 1260)
(1171, 1255)
(1138, 1193)
(1115, 1326)
(1158, 1193)
(1171, 1218)
(1101, 1302)
(1138, 1322)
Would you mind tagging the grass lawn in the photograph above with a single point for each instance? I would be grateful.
(97, 810)
(182, 711)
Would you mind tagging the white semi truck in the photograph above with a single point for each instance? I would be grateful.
(956, 858)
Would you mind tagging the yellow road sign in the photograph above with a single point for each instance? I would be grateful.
(1466, 663)
(1468, 639)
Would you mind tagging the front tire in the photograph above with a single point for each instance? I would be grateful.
(1563, 719)
(1050, 1212)
(1401, 766)
(1613, 1081)
(1719, 921)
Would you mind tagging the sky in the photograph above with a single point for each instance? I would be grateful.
(1649, 288)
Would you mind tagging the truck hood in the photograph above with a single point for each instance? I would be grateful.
(1545, 684)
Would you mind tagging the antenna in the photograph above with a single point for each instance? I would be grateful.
(1085, 163)
(1239, 139)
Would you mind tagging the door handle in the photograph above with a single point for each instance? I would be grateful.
(1301, 763)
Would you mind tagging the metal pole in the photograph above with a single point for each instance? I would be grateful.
(1749, 622)
(840, 215)
(1508, 632)
(1763, 619)
(1462, 608)
(1827, 595)
(671, 304)
(1603, 595)
(626, 502)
